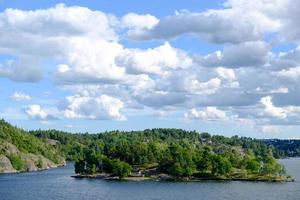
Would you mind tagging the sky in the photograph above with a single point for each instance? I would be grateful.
(228, 67)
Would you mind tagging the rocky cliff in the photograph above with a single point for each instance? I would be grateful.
(13, 160)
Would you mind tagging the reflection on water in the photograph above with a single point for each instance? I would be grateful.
(57, 184)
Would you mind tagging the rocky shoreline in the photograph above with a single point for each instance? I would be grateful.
(29, 162)
(165, 177)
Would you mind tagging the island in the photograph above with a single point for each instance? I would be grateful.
(177, 155)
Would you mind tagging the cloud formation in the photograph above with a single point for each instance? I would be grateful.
(101, 107)
(86, 53)
(35, 112)
(18, 96)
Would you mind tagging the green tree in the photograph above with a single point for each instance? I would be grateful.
(120, 168)
(176, 169)
(220, 165)
(16, 162)
(80, 166)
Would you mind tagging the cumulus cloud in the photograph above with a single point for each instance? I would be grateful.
(89, 61)
(239, 21)
(19, 96)
(218, 26)
(291, 73)
(86, 107)
(50, 33)
(226, 74)
(136, 22)
(83, 52)
(272, 110)
(239, 55)
(208, 87)
(209, 114)
(14, 70)
(37, 113)
(153, 61)
(285, 114)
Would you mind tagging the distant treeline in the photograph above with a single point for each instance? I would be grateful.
(283, 147)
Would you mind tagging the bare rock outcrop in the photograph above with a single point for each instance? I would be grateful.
(31, 162)
(9, 149)
(5, 165)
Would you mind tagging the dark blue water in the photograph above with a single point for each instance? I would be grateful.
(57, 184)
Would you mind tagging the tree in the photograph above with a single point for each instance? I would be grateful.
(16, 162)
(250, 162)
(204, 164)
(270, 165)
(91, 168)
(120, 168)
(80, 166)
(220, 165)
(176, 169)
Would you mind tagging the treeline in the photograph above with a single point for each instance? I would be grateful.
(284, 148)
(171, 151)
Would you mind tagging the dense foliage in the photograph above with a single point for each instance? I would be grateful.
(171, 151)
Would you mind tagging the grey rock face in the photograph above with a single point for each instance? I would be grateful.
(5, 165)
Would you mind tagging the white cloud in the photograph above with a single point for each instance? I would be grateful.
(90, 61)
(153, 61)
(227, 74)
(52, 33)
(18, 96)
(239, 21)
(107, 76)
(208, 114)
(238, 55)
(290, 113)
(270, 129)
(218, 26)
(291, 73)
(272, 110)
(280, 90)
(97, 108)
(37, 113)
(209, 87)
(135, 21)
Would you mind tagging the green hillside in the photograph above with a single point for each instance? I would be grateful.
(21, 151)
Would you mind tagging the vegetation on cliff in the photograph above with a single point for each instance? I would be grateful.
(21, 151)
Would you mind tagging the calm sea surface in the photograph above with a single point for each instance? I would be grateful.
(57, 184)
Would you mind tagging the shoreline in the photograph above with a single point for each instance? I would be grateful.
(37, 170)
(278, 179)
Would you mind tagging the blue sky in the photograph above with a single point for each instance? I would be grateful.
(226, 67)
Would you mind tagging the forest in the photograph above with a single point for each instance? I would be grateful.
(175, 153)
(153, 153)
(284, 147)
